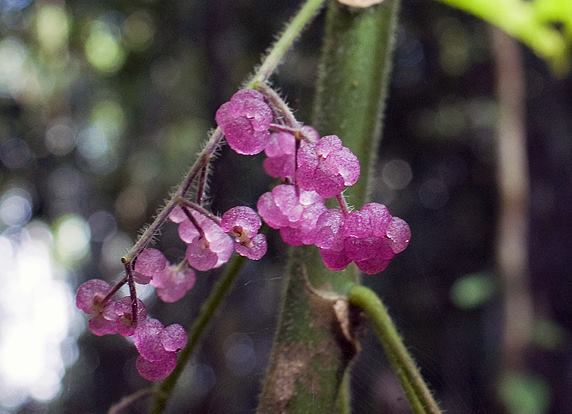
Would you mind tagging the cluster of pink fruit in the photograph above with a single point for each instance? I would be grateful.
(210, 243)
(312, 169)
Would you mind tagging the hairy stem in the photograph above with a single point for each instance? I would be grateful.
(276, 102)
(202, 184)
(127, 401)
(208, 310)
(195, 223)
(343, 204)
(114, 290)
(193, 206)
(132, 293)
(292, 31)
(417, 392)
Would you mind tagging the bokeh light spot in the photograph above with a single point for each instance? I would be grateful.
(15, 207)
(138, 30)
(52, 26)
(103, 48)
(397, 174)
(72, 235)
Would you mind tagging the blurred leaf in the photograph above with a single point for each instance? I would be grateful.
(72, 235)
(547, 334)
(138, 30)
(103, 48)
(524, 394)
(531, 22)
(555, 11)
(52, 26)
(472, 291)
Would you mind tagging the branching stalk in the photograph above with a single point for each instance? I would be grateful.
(114, 290)
(293, 30)
(199, 209)
(278, 103)
(209, 308)
(202, 184)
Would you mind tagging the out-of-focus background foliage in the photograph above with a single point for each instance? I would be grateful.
(103, 104)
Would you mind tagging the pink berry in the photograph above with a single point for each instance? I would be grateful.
(242, 224)
(371, 220)
(328, 230)
(334, 260)
(304, 230)
(200, 256)
(100, 326)
(362, 248)
(241, 220)
(270, 212)
(326, 167)
(287, 199)
(157, 347)
(284, 205)
(310, 134)
(244, 121)
(173, 338)
(157, 370)
(280, 152)
(371, 237)
(254, 249)
(147, 340)
(119, 313)
(294, 212)
(373, 265)
(150, 262)
(208, 250)
(90, 294)
(172, 284)
(188, 231)
(177, 215)
(399, 234)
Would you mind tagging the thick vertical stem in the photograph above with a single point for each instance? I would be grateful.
(312, 352)
(354, 76)
(512, 176)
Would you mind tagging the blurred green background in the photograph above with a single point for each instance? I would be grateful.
(103, 104)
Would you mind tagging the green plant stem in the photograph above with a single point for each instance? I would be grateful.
(344, 403)
(308, 368)
(352, 87)
(417, 392)
(291, 33)
(196, 331)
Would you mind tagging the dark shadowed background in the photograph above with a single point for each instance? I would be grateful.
(103, 105)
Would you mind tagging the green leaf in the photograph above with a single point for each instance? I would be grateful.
(524, 394)
(531, 22)
(473, 290)
(548, 334)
